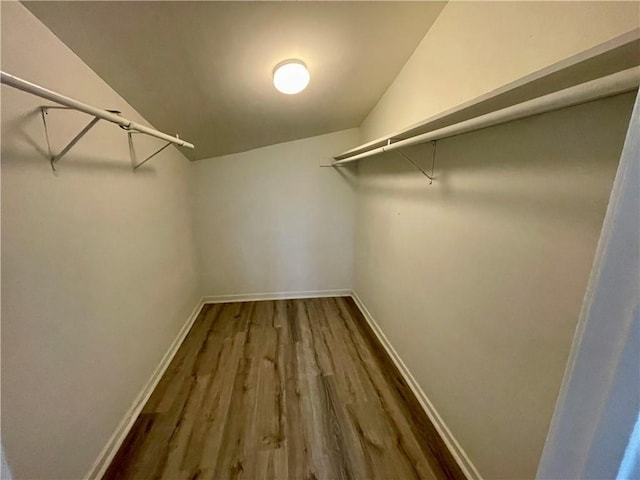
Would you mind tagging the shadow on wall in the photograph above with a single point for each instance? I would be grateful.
(530, 163)
(477, 280)
(348, 173)
(84, 163)
(28, 145)
(22, 127)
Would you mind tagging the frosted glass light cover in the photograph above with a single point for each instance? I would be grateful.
(291, 77)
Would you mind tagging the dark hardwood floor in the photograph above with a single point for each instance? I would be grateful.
(289, 389)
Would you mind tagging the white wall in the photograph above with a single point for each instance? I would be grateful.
(5, 471)
(599, 403)
(478, 279)
(272, 220)
(475, 47)
(98, 265)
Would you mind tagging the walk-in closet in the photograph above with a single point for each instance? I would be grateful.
(320, 240)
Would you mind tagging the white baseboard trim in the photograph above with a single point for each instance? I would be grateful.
(116, 440)
(118, 437)
(454, 447)
(99, 467)
(252, 297)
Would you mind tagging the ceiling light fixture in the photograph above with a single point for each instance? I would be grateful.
(291, 76)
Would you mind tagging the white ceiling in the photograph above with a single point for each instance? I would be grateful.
(203, 69)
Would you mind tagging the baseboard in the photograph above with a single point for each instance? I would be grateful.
(107, 454)
(105, 457)
(454, 447)
(252, 297)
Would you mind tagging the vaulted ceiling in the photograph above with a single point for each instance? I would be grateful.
(204, 69)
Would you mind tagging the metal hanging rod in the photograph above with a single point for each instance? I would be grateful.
(607, 86)
(98, 113)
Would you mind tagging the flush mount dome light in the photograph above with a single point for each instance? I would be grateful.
(291, 76)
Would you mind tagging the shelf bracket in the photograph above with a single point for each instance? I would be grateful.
(132, 152)
(53, 159)
(433, 162)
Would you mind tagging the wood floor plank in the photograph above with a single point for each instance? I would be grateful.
(226, 413)
(283, 389)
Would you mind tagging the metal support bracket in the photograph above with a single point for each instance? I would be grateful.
(53, 159)
(433, 163)
(132, 152)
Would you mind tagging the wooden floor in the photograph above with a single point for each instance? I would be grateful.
(289, 389)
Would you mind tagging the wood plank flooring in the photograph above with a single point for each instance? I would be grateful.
(288, 389)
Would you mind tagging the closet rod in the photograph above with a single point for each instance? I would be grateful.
(614, 84)
(100, 113)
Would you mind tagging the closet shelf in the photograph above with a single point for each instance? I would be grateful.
(610, 68)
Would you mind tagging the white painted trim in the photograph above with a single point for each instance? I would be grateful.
(116, 440)
(567, 64)
(99, 467)
(454, 447)
(252, 297)
(119, 435)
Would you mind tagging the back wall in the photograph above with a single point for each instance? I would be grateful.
(272, 220)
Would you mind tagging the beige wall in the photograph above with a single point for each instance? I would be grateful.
(593, 436)
(98, 266)
(478, 279)
(271, 220)
(475, 47)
